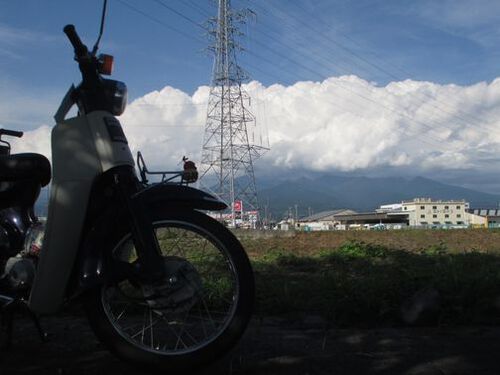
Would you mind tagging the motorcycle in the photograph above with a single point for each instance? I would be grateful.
(164, 286)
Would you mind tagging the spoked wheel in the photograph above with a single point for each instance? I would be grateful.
(195, 314)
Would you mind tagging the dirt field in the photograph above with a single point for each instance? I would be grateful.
(306, 243)
(373, 278)
(273, 346)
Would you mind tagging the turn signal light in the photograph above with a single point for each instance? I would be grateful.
(105, 64)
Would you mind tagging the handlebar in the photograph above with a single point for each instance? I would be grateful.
(12, 133)
(80, 48)
(90, 94)
(86, 62)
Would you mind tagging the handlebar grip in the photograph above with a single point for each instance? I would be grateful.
(12, 133)
(80, 48)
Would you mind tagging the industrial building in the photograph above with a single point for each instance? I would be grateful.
(428, 212)
(415, 213)
(326, 220)
(377, 220)
(483, 217)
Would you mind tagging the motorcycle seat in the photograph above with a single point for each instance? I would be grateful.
(25, 167)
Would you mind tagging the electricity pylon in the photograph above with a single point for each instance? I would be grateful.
(228, 155)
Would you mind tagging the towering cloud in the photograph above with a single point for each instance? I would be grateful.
(343, 123)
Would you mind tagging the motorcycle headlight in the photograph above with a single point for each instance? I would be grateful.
(116, 93)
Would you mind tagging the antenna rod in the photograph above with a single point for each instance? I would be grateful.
(96, 45)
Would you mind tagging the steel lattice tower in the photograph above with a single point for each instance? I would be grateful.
(227, 156)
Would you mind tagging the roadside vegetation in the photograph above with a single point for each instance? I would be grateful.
(418, 277)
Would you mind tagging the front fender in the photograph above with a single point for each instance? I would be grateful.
(178, 196)
(92, 263)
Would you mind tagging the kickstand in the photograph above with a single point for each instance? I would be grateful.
(7, 326)
(44, 336)
(8, 310)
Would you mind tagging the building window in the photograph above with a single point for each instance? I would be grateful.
(446, 207)
(422, 207)
(422, 216)
(460, 222)
(405, 208)
(434, 216)
(458, 207)
(434, 207)
(447, 216)
(459, 215)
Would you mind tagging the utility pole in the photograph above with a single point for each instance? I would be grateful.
(227, 164)
(266, 215)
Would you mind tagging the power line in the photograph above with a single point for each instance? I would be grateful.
(438, 141)
(292, 60)
(258, 56)
(178, 13)
(166, 126)
(376, 55)
(379, 68)
(347, 88)
(295, 62)
(159, 22)
(196, 7)
(314, 72)
(486, 129)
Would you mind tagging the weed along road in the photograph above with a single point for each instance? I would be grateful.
(276, 346)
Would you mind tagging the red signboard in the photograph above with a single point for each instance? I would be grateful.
(238, 206)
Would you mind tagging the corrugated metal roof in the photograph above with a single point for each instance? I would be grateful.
(326, 215)
(485, 211)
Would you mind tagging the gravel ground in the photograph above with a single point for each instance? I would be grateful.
(274, 346)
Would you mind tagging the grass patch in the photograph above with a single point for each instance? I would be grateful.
(360, 283)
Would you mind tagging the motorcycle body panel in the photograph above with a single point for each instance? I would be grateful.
(83, 148)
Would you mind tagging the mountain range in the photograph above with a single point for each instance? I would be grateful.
(329, 192)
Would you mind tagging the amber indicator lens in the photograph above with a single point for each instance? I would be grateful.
(105, 64)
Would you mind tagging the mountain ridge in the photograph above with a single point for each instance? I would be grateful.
(361, 193)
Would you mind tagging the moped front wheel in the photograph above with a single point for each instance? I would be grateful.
(191, 317)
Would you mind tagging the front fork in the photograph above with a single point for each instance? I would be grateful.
(151, 265)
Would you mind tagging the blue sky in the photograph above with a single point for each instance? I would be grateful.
(439, 41)
(160, 52)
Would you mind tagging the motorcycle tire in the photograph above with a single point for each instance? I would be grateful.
(228, 286)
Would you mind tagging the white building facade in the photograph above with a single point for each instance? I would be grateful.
(426, 212)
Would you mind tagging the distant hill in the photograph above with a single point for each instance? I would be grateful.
(328, 192)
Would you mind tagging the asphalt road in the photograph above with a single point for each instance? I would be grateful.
(273, 346)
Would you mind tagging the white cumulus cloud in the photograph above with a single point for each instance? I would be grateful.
(340, 124)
